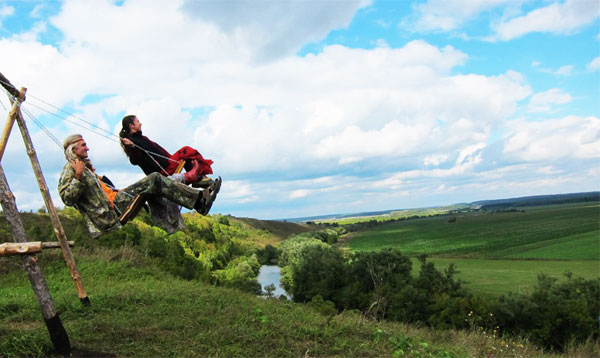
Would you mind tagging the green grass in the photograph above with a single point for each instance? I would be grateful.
(139, 311)
(492, 235)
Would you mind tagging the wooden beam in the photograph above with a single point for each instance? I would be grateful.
(10, 121)
(28, 248)
(58, 335)
(58, 229)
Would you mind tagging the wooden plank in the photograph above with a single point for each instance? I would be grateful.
(58, 335)
(58, 229)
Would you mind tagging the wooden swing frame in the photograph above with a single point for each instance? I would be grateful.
(28, 250)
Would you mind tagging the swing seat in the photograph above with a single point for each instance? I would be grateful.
(132, 209)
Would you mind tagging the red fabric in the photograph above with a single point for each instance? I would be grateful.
(189, 154)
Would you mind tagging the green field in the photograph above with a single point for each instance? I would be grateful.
(494, 277)
(499, 252)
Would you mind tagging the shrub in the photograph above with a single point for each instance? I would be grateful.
(555, 314)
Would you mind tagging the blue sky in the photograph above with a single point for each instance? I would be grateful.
(317, 107)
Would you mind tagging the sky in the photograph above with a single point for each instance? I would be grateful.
(315, 107)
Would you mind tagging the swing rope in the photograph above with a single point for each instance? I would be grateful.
(98, 130)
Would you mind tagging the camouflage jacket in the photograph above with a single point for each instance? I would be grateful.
(87, 197)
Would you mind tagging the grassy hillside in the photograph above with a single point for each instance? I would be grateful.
(279, 230)
(140, 311)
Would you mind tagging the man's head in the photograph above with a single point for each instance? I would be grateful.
(75, 148)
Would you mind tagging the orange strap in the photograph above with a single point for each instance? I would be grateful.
(110, 193)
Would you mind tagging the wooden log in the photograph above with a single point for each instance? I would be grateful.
(21, 248)
(10, 121)
(58, 335)
(28, 248)
(55, 245)
(58, 229)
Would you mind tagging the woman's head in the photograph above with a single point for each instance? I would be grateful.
(128, 123)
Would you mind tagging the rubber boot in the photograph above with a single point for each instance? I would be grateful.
(192, 175)
(203, 198)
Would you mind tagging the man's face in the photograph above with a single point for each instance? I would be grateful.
(136, 126)
(81, 149)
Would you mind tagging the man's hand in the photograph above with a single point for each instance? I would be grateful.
(79, 166)
(127, 142)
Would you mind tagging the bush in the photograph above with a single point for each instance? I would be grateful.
(555, 314)
(319, 271)
(240, 273)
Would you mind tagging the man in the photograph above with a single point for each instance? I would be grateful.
(100, 204)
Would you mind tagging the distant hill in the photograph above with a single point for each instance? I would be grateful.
(280, 229)
(538, 200)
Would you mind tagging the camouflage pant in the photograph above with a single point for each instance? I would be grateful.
(155, 186)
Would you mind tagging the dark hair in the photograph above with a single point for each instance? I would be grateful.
(124, 133)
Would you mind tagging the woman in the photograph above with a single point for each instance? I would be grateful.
(152, 158)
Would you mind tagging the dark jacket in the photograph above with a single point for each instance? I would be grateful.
(147, 161)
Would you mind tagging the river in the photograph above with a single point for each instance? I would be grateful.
(270, 274)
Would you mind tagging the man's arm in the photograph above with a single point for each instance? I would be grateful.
(69, 187)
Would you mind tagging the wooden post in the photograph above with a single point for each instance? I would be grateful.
(9, 122)
(58, 229)
(58, 335)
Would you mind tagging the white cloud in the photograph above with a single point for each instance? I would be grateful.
(281, 27)
(435, 159)
(6, 11)
(299, 193)
(594, 65)
(551, 140)
(560, 18)
(565, 70)
(546, 101)
(37, 10)
(447, 15)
